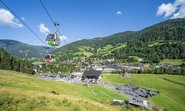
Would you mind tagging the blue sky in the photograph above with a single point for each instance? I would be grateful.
(84, 19)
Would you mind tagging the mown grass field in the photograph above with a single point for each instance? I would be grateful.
(171, 88)
(83, 52)
(156, 43)
(172, 61)
(106, 50)
(22, 92)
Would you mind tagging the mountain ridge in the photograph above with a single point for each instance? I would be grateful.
(169, 30)
(23, 50)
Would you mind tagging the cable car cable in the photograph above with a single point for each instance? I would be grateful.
(22, 22)
(47, 11)
(54, 23)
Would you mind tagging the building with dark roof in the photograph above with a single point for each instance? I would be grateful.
(91, 74)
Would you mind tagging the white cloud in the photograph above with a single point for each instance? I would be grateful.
(172, 10)
(179, 2)
(62, 38)
(7, 19)
(43, 29)
(119, 13)
(166, 9)
(180, 13)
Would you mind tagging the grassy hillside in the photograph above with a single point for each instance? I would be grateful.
(171, 88)
(19, 91)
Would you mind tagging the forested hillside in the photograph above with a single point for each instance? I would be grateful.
(165, 40)
(162, 41)
(12, 63)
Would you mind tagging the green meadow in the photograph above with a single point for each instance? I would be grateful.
(172, 61)
(171, 88)
(22, 92)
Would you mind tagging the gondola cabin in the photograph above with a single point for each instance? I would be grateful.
(48, 58)
(53, 39)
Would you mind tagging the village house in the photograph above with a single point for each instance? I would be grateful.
(140, 102)
(134, 102)
(35, 68)
(91, 75)
(110, 68)
(97, 67)
(77, 74)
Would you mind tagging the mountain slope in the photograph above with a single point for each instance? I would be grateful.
(130, 43)
(23, 50)
(165, 40)
(82, 47)
(173, 29)
(22, 92)
(102, 41)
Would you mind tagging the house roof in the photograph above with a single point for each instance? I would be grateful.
(91, 73)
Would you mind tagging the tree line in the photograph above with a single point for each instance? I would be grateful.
(171, 70)
(154, 54)
(59, 68)
(8, 62)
